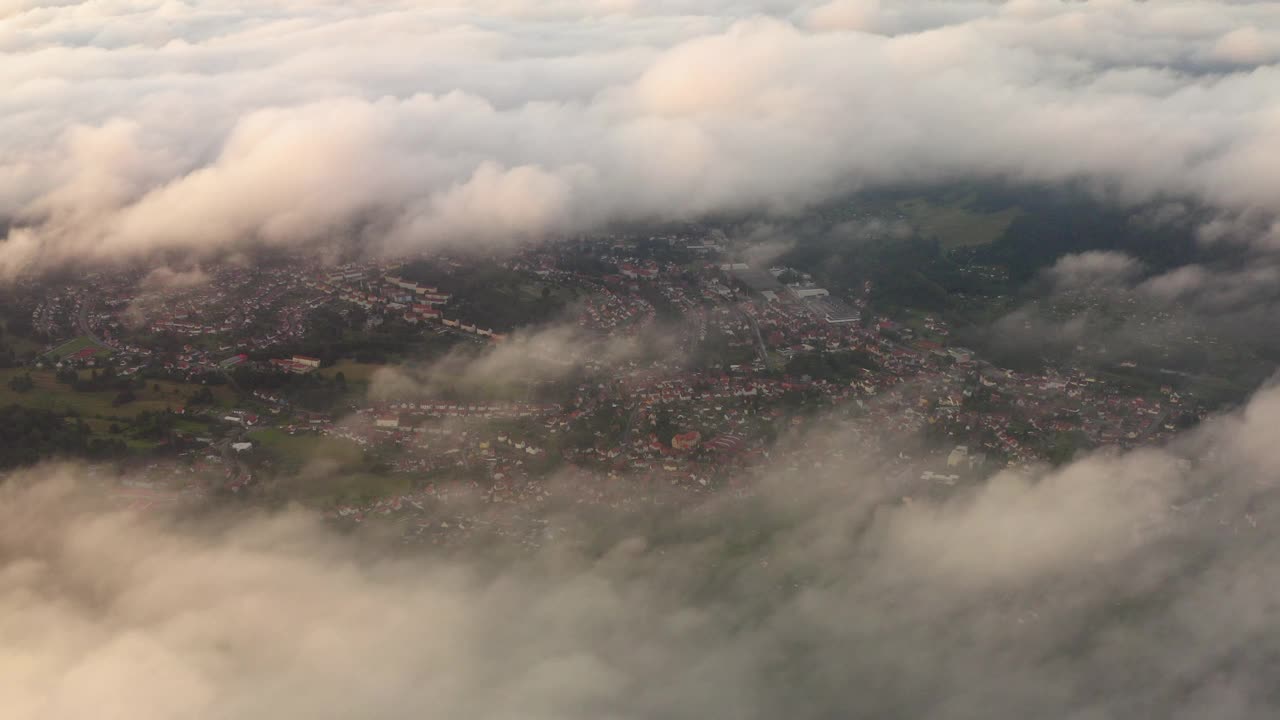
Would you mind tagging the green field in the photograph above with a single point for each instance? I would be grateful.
(336, 488)
(75, 345)
(49, 394)
(101, 428)
(956, 223)
(297, 450)
(339, 471)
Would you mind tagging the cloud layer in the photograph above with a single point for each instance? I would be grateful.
(131, 126)
(1111, 300)
(1122, 585)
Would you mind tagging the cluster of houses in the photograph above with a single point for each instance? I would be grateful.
(720, 421)
(371, 286)
(396, 415)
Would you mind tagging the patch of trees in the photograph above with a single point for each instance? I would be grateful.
(16, 314)
(504, 309)
(722, 348)
(21, 383)
(489, 295)
(917, 272)
(210, 378)
(661, 250)
(1062, 447)
(154, 425)
(983, 400)
(585, 262)
(1056, 222)
(203, 396)
(805, 399)
(664, 427)
(906, 272)
(161, 342)
(99, 381)
(28, 435)
(831, 366)
(249, 379)
(663, 308)
(310, 392)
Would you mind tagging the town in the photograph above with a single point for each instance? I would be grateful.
(249, 375)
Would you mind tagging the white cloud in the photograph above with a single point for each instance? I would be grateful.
(1103, 268)
(529, 355)
(1121, 581)
(132, 126)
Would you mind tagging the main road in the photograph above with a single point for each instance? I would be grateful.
(82, 322)
(755, 327)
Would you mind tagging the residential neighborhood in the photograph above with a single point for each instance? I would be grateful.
(754, 368)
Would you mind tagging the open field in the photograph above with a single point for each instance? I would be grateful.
(956, 223)
(49, 394)
(297, 450)
(340, 474)
(336, 488)
(77, 345)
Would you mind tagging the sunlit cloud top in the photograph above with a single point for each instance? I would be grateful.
(127, 127)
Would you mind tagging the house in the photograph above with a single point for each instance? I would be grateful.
(639, 271)
(686, 441)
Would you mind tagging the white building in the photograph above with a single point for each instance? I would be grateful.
(803, 293)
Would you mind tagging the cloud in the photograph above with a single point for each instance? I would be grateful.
(135, 127)
(164, 278)
(1110, 307)
(1093, 268)
(1027, 331)
(156, 288)
(859, 15)
(1214, 290)
(528, 356)
(1123, 582)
